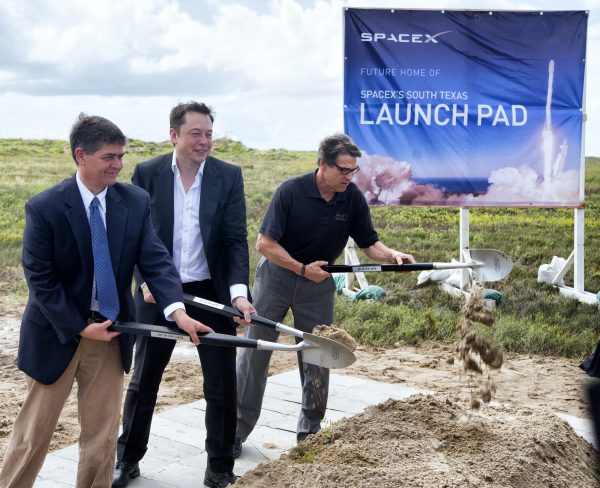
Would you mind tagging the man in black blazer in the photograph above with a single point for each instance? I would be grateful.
(199, 212)
(63, 337)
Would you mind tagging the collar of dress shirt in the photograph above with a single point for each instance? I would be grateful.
(175, 169)
(87, 196)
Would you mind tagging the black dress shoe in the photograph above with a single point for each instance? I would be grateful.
(301, 436)
(219, 480)
(124, 472)
(237, 448)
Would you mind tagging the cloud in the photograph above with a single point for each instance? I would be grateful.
(522, 185)
(273, 122)
(384, 180)
(152, 47)
(273, 70)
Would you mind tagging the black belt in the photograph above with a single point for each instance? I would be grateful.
(94, 316)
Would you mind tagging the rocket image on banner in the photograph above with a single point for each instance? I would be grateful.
(552, 169)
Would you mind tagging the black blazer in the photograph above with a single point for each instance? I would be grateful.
(58, 265)
(222, 223)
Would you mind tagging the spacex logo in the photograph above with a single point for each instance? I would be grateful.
(401, 38)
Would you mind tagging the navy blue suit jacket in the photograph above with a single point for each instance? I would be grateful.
(58, 265)
(222, 222)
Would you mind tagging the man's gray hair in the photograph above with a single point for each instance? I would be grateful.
(332, 146)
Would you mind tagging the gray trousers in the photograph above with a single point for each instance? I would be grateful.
(275, 291)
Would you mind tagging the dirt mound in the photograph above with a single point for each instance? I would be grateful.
(435, 441)
(337, 335)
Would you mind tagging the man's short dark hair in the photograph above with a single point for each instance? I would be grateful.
(332, 146)
(90, 132)
(177, 117)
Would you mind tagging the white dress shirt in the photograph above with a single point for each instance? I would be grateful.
(188, 248)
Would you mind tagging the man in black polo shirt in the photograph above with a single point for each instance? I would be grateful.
(307, 225)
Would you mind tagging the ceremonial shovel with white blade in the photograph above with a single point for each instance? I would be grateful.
(485, 265)
(316, 350)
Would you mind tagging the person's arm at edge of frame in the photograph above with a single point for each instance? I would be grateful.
(381, 253)
(274, 252)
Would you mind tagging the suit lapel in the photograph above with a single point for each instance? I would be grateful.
(209, 198)
(77, 218)
(116, 225)
(162, 202)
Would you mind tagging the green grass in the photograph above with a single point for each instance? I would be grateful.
(533, 318)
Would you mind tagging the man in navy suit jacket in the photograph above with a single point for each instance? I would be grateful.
(199, 212)
(63, 336)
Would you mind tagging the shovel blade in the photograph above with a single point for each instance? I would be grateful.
(491, 265)
(326, 353)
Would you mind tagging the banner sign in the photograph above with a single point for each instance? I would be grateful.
(466, 108)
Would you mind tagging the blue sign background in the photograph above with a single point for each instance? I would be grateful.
(478, 67)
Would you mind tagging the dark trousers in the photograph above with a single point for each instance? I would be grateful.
(593, 394)
(218, 367)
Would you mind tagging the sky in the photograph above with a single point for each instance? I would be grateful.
(271, 70)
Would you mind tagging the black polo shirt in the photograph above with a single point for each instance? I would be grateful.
(311, 229)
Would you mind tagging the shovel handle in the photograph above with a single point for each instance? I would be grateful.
(366, 268)
(227, 311)
(215, 339)
(174, 333)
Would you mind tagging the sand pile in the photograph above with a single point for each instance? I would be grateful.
(434, 441)
(337, 335)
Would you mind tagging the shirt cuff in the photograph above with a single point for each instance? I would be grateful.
(238, 291)
(171, 308)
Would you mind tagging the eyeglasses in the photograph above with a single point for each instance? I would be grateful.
(347, 171)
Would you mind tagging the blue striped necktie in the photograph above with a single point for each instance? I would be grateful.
(106, 287)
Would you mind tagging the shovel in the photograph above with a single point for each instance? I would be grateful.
(485, 264)
(316, 350)
(176, 334)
